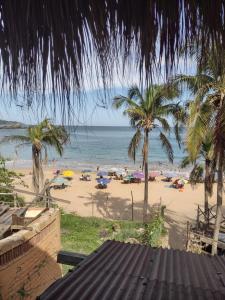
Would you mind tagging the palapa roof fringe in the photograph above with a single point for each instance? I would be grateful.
(51, 45)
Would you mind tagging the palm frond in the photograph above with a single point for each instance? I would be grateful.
(196, 174)
(119, 101)
(192, 82)
(67, 38)
(134, 144)
(199, 119)
(135, 93)
(164, 123)
(167, 146)
(185, 162)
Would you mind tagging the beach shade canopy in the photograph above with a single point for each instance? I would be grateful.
(114, 169)
(170, 174)
(102, 173)
(138, 175)
(87, 171)
(128, 178)
(68, 173)
(121, 172)
(103, 181)
(182, 181)
(60, 180)
(154, 173)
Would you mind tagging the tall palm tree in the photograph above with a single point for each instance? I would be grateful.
(40, 137)
(147, 112)
(206, 154)
(208, 110)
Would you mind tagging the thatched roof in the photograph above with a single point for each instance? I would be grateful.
(52, 43)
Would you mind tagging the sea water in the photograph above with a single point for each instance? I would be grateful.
(92, 146)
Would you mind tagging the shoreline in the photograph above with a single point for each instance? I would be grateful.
(79, 166)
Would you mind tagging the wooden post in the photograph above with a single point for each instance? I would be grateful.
(162, 211)
(198, 218)
(14, 198)
(132, 206)
(106, 206)
(48, 199)
(92, 205)
(187, 242)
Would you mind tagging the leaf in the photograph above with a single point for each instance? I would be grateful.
(134, 144)
(167, 147)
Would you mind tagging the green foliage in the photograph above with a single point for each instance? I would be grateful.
(22, 293)
(85, 234)
(150, 109)
(40, 137)
(153, 232)
(9, 178)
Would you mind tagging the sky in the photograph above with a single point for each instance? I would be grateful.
(93, 111)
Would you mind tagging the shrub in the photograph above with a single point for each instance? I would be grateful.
(153, 232)
(8, 179)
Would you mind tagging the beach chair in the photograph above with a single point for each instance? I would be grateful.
(150, 178)
(102, 186)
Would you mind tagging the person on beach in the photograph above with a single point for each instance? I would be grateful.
(126, 171)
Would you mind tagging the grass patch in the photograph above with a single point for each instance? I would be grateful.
(85, 234)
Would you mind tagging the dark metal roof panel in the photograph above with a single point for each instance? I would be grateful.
(129, 271)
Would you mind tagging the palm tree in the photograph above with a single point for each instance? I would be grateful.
(41, 136)
(205, 154)
(208, 110)
(147, 112)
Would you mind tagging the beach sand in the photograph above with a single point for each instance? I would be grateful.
(115, 201)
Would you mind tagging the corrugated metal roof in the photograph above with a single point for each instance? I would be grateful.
(130, 271)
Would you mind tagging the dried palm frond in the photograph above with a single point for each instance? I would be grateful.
(50, 46)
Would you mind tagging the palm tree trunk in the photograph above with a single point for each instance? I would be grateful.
(36, 168)
(206, 188)
(219, 203)
(145, 205)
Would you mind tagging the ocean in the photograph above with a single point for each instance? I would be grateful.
(92, 146)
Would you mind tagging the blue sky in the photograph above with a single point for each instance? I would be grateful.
(93, 112)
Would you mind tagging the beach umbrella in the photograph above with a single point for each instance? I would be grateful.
(103, 181)
(102, 173)
(181, 181)
(68, 173)
(114, 170)
(128, 178)
(170, 174)
(154, 173)
(121, 172)
(60, 180)
(138, 175)
(86, 171)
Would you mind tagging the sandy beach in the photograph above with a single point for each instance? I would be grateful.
(115, 201)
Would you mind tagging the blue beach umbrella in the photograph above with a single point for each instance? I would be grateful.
(102, 173)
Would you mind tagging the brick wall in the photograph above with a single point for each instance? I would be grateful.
(28, 258)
